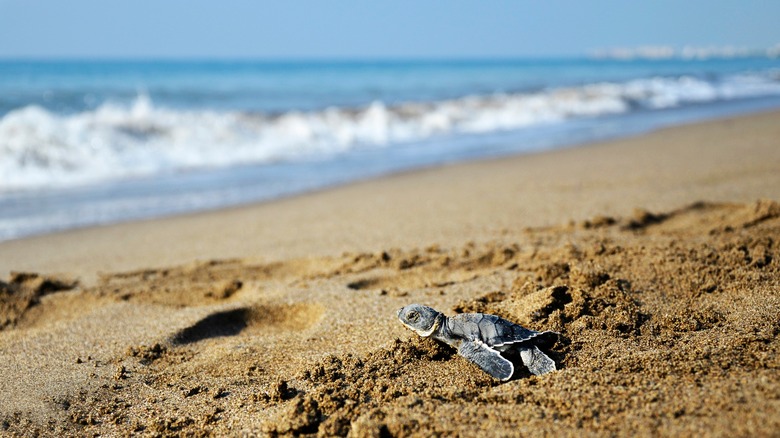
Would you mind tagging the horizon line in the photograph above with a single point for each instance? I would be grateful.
(340, 59)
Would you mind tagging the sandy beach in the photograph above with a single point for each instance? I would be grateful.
(656, 258)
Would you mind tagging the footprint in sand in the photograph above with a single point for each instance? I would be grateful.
(290, 317)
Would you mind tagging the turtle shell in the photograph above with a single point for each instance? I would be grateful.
(495, 331)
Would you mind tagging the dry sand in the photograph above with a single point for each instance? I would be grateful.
(656, 258)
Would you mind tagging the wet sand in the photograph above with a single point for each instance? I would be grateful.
(656, 259)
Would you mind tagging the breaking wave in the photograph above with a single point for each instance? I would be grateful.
(40, 148)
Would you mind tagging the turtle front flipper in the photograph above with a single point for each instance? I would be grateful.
(487, 358)
(537, 362)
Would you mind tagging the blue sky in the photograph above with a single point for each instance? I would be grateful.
(374, 29)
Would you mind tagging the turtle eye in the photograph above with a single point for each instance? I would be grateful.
(413, 316)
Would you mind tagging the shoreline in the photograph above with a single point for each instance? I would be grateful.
(182, 230)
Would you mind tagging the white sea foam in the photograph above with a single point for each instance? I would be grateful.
(39, 148)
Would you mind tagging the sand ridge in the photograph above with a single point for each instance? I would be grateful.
(668, 322)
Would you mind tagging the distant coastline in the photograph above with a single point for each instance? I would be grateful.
(685, 52)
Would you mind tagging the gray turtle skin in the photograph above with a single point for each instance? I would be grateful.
(482, 338)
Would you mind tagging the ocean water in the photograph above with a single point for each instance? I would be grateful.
(95, 142)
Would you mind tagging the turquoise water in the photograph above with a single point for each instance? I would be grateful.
(93, 142)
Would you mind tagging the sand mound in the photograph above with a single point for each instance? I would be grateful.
(24, 290)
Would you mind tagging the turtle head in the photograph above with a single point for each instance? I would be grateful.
(422, 319)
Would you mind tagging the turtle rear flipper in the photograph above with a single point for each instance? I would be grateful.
(488, 359)
(537, 362)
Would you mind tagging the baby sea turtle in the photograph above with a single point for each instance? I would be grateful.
(482, 338)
